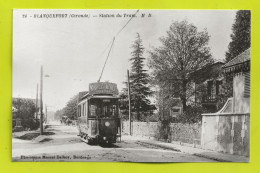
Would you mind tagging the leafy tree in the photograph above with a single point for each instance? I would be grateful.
(226, 91)
(123, 103)
(71, 108)
(191, 115)
(240, 38)
(58, 114)
(139, 81)
(240, 41)
(184, 50)
(26, 112)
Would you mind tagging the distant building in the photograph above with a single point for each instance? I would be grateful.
(177, 108)
(169, 107)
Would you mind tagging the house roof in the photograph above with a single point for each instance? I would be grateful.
(208, 72)
(239, 63)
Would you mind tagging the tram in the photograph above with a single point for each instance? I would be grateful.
(98, 114)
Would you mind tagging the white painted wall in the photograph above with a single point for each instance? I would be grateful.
(241, 104)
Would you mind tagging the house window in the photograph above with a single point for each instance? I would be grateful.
(210, 87)
(247, 84)
(175, 111)
(218, 86)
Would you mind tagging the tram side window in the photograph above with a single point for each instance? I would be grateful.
(84, 109)
(92, 110)
(113, 109)
(79, 111)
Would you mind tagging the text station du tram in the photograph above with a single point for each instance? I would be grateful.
(98, 113)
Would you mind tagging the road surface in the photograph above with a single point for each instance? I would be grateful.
(61, 143)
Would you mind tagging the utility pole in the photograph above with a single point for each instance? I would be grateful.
(129, 103)
(36, 103)
(46, 113)
(41, 104)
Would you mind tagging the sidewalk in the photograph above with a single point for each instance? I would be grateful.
(221, 157)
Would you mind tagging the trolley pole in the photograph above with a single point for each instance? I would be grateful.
(129, 103)
(41, 104)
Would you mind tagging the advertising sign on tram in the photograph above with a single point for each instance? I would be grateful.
(103, 88)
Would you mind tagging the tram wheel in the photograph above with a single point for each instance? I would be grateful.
(92, 141)
(84, 138)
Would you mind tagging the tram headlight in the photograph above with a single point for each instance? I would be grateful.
(107, 124)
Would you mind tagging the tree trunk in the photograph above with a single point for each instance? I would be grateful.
(184, 105)
(183, 97)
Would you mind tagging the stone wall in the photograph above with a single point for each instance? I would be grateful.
(141, 128)
(228, 133)
(186, 133)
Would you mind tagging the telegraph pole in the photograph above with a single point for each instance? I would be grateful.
(129, 103)
(41, 104)
(36, 104)
(46, 113)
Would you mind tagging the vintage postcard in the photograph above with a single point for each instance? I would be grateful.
(131, 85)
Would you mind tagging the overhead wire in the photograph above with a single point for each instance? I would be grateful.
(98, 56)
(106, 59)
(113, 40)
(126, 23)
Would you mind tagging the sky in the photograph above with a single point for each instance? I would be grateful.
(72, 49)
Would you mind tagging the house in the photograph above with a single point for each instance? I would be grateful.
(170, 107)
(208, 86)
(239, 69)
(228, 129)
(175, 107)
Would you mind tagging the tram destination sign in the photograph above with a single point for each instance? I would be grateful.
(103, 88)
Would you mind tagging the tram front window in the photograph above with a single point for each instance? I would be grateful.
(103, 108)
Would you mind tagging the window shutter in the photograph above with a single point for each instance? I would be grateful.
(247, 84)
